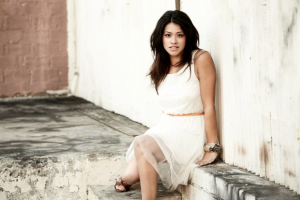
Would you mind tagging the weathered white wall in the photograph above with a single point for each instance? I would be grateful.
(113, 55)
(256, 49)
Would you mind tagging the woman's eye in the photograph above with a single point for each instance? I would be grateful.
(180, 35)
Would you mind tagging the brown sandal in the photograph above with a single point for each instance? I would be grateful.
(124, 184)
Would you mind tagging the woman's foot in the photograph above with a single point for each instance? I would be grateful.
(121, 186)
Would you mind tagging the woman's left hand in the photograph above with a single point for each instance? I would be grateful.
(209, 157)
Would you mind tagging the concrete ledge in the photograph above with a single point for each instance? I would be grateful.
(223, 181)
(54, 148)
(68, 148)
(58, 177)
(108, 193)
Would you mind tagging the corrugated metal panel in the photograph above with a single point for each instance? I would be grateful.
(255, 46)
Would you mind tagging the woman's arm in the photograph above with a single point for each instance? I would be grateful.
(206, 73)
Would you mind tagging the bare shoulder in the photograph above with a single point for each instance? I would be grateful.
(203, 63)
(202, 57)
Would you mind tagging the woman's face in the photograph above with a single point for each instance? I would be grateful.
(174, 39)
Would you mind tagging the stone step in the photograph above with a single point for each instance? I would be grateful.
(222, 181)
(107, 192)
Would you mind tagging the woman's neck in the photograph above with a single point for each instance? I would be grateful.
(175, 59)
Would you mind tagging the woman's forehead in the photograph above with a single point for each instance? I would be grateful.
(172, 27)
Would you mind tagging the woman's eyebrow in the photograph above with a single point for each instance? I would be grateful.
(171, 32)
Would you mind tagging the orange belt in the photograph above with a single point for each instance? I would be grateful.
(191, 114)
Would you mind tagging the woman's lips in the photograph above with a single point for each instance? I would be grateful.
(173, 48)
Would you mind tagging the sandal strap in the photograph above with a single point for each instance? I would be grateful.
(124, 184)
(119, 183)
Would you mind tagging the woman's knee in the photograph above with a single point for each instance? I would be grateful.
(136, 144)
(139, 141)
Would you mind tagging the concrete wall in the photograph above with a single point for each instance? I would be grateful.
(255, 46)
(33, 46)
(113, 55)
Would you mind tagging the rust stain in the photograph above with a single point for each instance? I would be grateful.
(298, 134)
(241, 150)
(289, 172)
(261, 154)
(264, 154)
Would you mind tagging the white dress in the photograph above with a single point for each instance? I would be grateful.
(176, 142)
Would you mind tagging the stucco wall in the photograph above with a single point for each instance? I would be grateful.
(33, 47)
(113, 55)
(255, 46)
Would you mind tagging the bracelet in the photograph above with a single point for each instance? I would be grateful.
(212, 147)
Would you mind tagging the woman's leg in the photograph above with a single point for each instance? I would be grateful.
(148, 175)
(131, 173)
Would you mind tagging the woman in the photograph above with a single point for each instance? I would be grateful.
(184, 136)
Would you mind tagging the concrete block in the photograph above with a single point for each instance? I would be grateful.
(18, 23)
(191, 191)
(204, 176)
(58, 35)
(1, 76)
(8, 36)
(8, 62)
(40, 75)
(63, 75)
(1, 50)
(57, 22)
(31, 62)
(15, 76)
(39, 23)
(49, 49)
(18, 49)
(11, 9)
(219, 180)
(250, 186)
(59, 62)
(58, 8)
(35, 9)
(30, 37)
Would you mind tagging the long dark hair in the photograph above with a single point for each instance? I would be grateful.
(161, 64)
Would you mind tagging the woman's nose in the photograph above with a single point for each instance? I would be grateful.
(173, 40)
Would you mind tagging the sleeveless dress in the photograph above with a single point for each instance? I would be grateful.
(175, 144)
